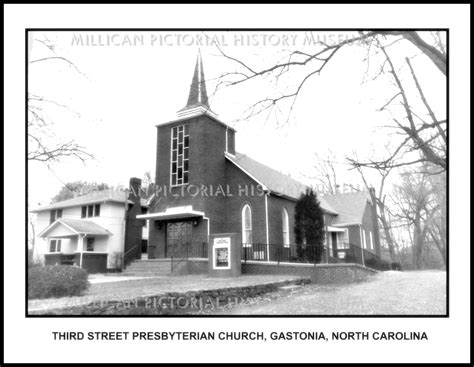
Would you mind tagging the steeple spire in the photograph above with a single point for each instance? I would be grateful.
(198, 93)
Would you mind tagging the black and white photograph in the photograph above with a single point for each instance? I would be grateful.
(324, 153)
(177, 173)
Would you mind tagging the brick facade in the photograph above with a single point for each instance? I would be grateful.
(321, 273)
(216, 187)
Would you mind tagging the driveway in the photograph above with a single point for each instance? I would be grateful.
(386, 293)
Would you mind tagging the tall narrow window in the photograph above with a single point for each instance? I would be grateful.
(246, 225)
(97, 210)
(179, 155)
(84, 212)
(286, 226)
(371, 240)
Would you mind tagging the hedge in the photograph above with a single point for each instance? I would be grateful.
(56, 281)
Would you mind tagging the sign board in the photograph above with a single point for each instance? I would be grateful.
(221, 248)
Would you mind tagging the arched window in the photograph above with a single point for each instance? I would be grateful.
(246, 225)
(285, 228)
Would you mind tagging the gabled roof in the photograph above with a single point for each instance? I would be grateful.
(277, 182)
(349, 206)
(77, 226)
(96, 197)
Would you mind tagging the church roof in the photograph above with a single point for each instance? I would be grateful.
(350, 206)
(275, 181)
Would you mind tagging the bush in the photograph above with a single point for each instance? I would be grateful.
(56, 281)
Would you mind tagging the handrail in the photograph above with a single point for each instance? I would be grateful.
(309, 253)
(125, 255)
(181, 259)
(188, 247)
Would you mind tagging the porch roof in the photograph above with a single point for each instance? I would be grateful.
(76, 227)
(173, 213)
(335, 229)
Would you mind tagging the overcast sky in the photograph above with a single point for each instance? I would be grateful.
(129, 82)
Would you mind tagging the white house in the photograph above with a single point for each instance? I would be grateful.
(97, 231)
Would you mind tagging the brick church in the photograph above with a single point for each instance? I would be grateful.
(204, 186)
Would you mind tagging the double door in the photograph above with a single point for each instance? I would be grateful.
(178, 238)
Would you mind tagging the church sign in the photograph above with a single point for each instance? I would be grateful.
(221, 248)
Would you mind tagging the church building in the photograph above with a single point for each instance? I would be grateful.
(204, 186)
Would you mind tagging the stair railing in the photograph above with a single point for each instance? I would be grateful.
(126, 259)
(176, 261)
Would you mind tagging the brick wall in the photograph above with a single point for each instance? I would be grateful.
(321, 273)
(245, 191)
(275, 219)
(133, 226)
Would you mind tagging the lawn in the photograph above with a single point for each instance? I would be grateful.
(386, 293)
(130, 289)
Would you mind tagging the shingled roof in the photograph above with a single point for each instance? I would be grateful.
(349, 206)
(77, 226)
(277, 182)
(96, 197)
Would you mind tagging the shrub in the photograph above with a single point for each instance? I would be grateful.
(56, 281)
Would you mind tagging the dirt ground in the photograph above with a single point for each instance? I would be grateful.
(386, 293)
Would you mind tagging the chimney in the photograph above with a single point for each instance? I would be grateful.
(375, 220)
(135, 189)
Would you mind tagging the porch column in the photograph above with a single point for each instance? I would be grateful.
(80, 247)
(361, 246)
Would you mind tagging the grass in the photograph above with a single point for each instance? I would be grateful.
(130, 289)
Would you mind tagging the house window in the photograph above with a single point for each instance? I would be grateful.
(286, 226)
(246, 225)
(55, 214)
(371, 240)
(364, 242)
(346, 236)
(55, 246)
(179, 155)
(89, 211)
(90, 244)
(144, 211)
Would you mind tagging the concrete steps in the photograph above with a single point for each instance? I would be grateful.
(150, 267)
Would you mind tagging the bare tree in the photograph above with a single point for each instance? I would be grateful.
(326, 176)
(417, 207)
(426, 138)
(421, 139)
(379, 198)
(437, 228)
(43, 144)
